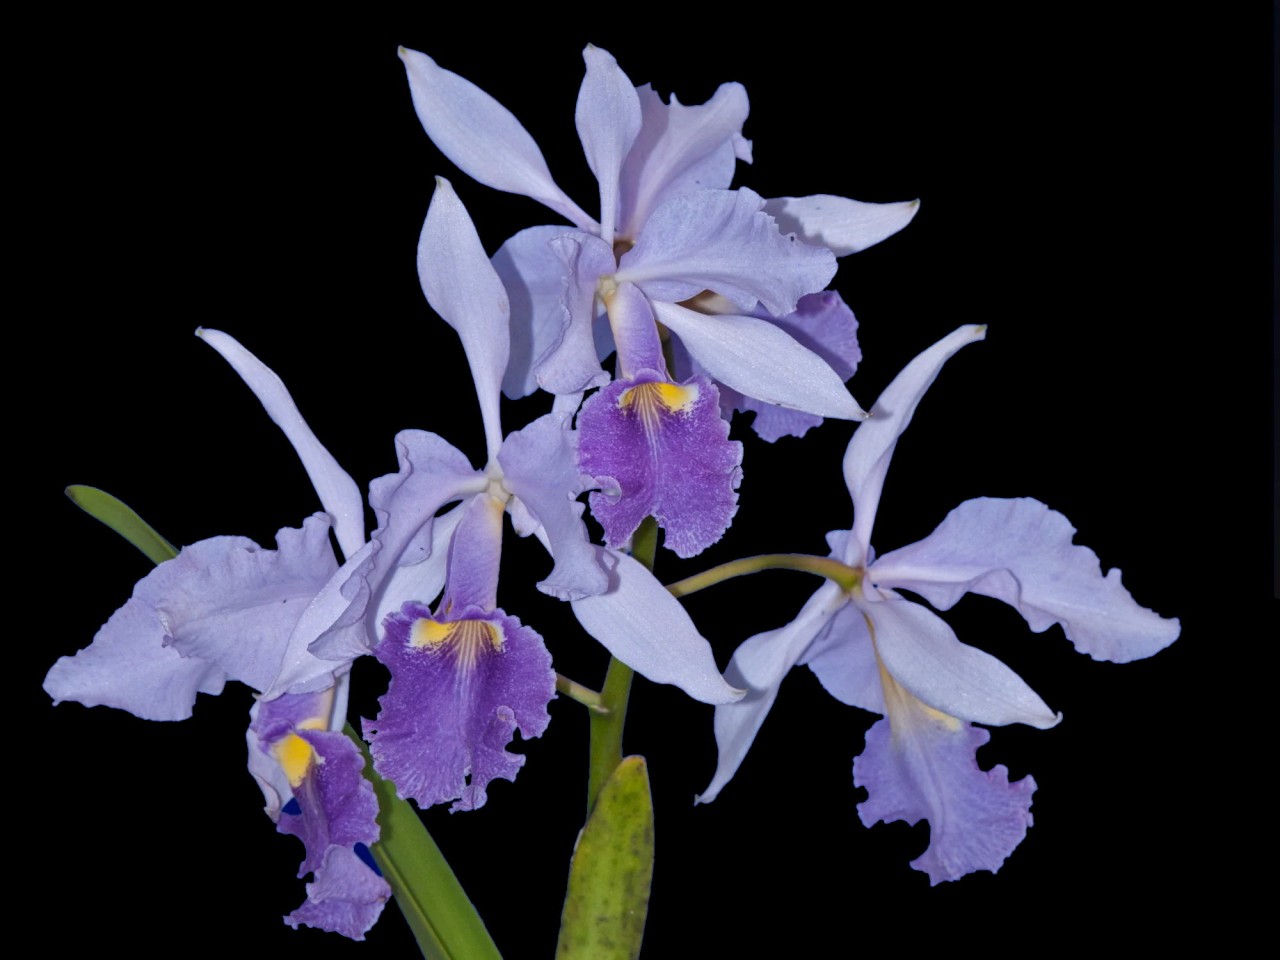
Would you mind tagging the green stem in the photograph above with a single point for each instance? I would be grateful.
(576, 691)
(607, 726)
(845, 576)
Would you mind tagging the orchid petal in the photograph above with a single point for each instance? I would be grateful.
(483, 676)
(539, 467)
(640, 623)
(129, 666)
(420, 580)
(843, 658)
(841, 225)
(866, 461)
(722, 240)
(572, 363)
(338, 493)
(758, 359)
(475, 554)
(681, 149)
(534, 277)
(482, 137)
(758, 666)
(922, 765)
(462, 286)
(608, 120)
(1021, 552)
(921, 653)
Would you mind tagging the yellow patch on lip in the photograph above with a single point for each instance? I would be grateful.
(295, 757)
(466, 638)
(649, 400)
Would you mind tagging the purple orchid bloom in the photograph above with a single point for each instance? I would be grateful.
(872, 648)
(670, 236)
(483, 673)
(226, 609)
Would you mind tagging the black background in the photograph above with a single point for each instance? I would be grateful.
(1093, 188)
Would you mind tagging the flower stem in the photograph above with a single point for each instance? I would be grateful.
(845, 576)
(576, 691)
(607, 725)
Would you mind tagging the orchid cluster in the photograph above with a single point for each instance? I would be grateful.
(651, 326)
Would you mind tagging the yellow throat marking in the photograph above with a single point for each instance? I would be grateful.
(295, 757)
(466, 638)
(650, 400)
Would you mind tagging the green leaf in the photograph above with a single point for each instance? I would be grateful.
(120, 517)
(433, 903)
(608, 898)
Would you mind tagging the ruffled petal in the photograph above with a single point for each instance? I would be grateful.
(338, 493)
(640, 623)
(921, 765)
(463, 288)
(483, 676)
(130, 666)
(608, 120)
(346, 897)
(866, 461)
(535, 279)
(666, 450)
(758, 666)
(540, 467)
(572, 363)
(757, 358)
(681, 149)
(921, 653)
(722, 240)
(841, 225)
(420, 580)
(482, 137)
(1021, 552)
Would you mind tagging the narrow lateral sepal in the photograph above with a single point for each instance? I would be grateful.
(609, 877)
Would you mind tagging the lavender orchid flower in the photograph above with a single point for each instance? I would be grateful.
(670, 236)
(874, 649)
(483, 672)
(225, 609)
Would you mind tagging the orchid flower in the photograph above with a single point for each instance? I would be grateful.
(484, 673)
(872, 648)
(226, 609)
(670, 236)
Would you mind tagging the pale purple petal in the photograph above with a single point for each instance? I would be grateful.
(640, 623)
(1021, 552)
(482, 137)
(759, 359)
(825, 324)
(459, 688)
(922, 654)
(608, 120)
(535, 279)
(346, 896)
(841, 225)
(338, 493)
(721, 240)
(925, 768)
(130, 666)
(572, 364)
(635, 334)
(462, 286)
(843, 658)
(432, 473)
(668, 452)
(681, 149)
(540, 468)
(866, 461)
(759, 666)
(475, 553)
(420, 580)
(238, 607)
